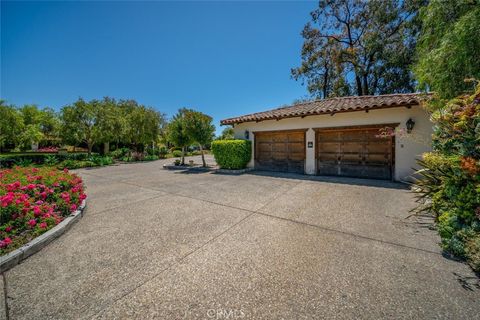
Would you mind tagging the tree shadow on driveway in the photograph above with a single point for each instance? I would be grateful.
(331, 179)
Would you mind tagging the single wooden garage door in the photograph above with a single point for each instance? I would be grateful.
(354, 152)
(280, 151)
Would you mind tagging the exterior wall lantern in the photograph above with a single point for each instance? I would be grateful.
(247, 135)
(410, 124)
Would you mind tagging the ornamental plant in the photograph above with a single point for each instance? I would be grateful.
(232, 154)
(449, 182)
(33, 200)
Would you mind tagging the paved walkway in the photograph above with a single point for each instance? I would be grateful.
(173, 245)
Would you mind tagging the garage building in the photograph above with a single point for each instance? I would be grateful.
(377, 137)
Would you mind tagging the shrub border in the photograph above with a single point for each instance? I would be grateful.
(17, 256)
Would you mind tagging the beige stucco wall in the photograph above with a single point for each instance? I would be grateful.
(407, 147)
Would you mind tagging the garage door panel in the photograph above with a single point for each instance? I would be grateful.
(279, 147)
(328, 156)
(351, 146)
(380, 172)
(328, 169)
(378, 148)
(351, 158)
(264, 148)
(279, 156)
(296, 148)
(279, 138)
(330, 137)
(329, 146)
(352, 136)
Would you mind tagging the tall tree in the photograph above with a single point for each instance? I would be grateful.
(227, 134)
(40, 124)
(112, 122)
(200, 128)
(11, 125)
(81, 123)
(144, 125)
(449, 46)
(360, 47)
(177, 132)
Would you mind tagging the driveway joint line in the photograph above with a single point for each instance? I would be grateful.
(5, 296)
(348, 233)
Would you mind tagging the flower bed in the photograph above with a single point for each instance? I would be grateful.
(33, 200)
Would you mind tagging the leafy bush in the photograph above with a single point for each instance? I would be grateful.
(232, 154)
(76, 164)
(51, 160)
(151, 158)
(34, 200)
(120, 153)
(176, 153)
(100, 161)
(450, 178)
(23, 162)
(162, 152)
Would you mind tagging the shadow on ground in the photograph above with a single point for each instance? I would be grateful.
(337, 180)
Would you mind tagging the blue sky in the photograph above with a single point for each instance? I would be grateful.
(222, 58)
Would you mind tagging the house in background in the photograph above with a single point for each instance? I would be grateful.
(340, 136)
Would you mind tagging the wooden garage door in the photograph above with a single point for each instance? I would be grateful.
(280, 151)
(354, 152)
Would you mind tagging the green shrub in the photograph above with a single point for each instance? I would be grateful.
(176, 153)
(51, 160)
(119, 153)
(23, 162)
(232, 154)
(151, 157)
(162, 152)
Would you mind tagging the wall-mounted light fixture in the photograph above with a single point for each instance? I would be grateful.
(410, 124)
(247, 135)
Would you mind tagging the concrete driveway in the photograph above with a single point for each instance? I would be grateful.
(173, 245)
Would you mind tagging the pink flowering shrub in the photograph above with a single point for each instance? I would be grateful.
(33, 200)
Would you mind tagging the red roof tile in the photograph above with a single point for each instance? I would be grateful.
(332, 106)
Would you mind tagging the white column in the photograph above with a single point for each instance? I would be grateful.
(310, 154)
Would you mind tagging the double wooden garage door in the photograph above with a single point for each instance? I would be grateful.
(354, 152)
(350, 152)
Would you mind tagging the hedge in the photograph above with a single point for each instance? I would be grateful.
(232, 154)
(9, 160)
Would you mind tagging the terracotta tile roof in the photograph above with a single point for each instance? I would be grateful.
(332, 106)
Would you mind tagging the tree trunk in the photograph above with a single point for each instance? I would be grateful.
(106, 148)
(183, 156)
(89, 146)
(359, 84)
(325, 84)
(365, 85)
(203, 156)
